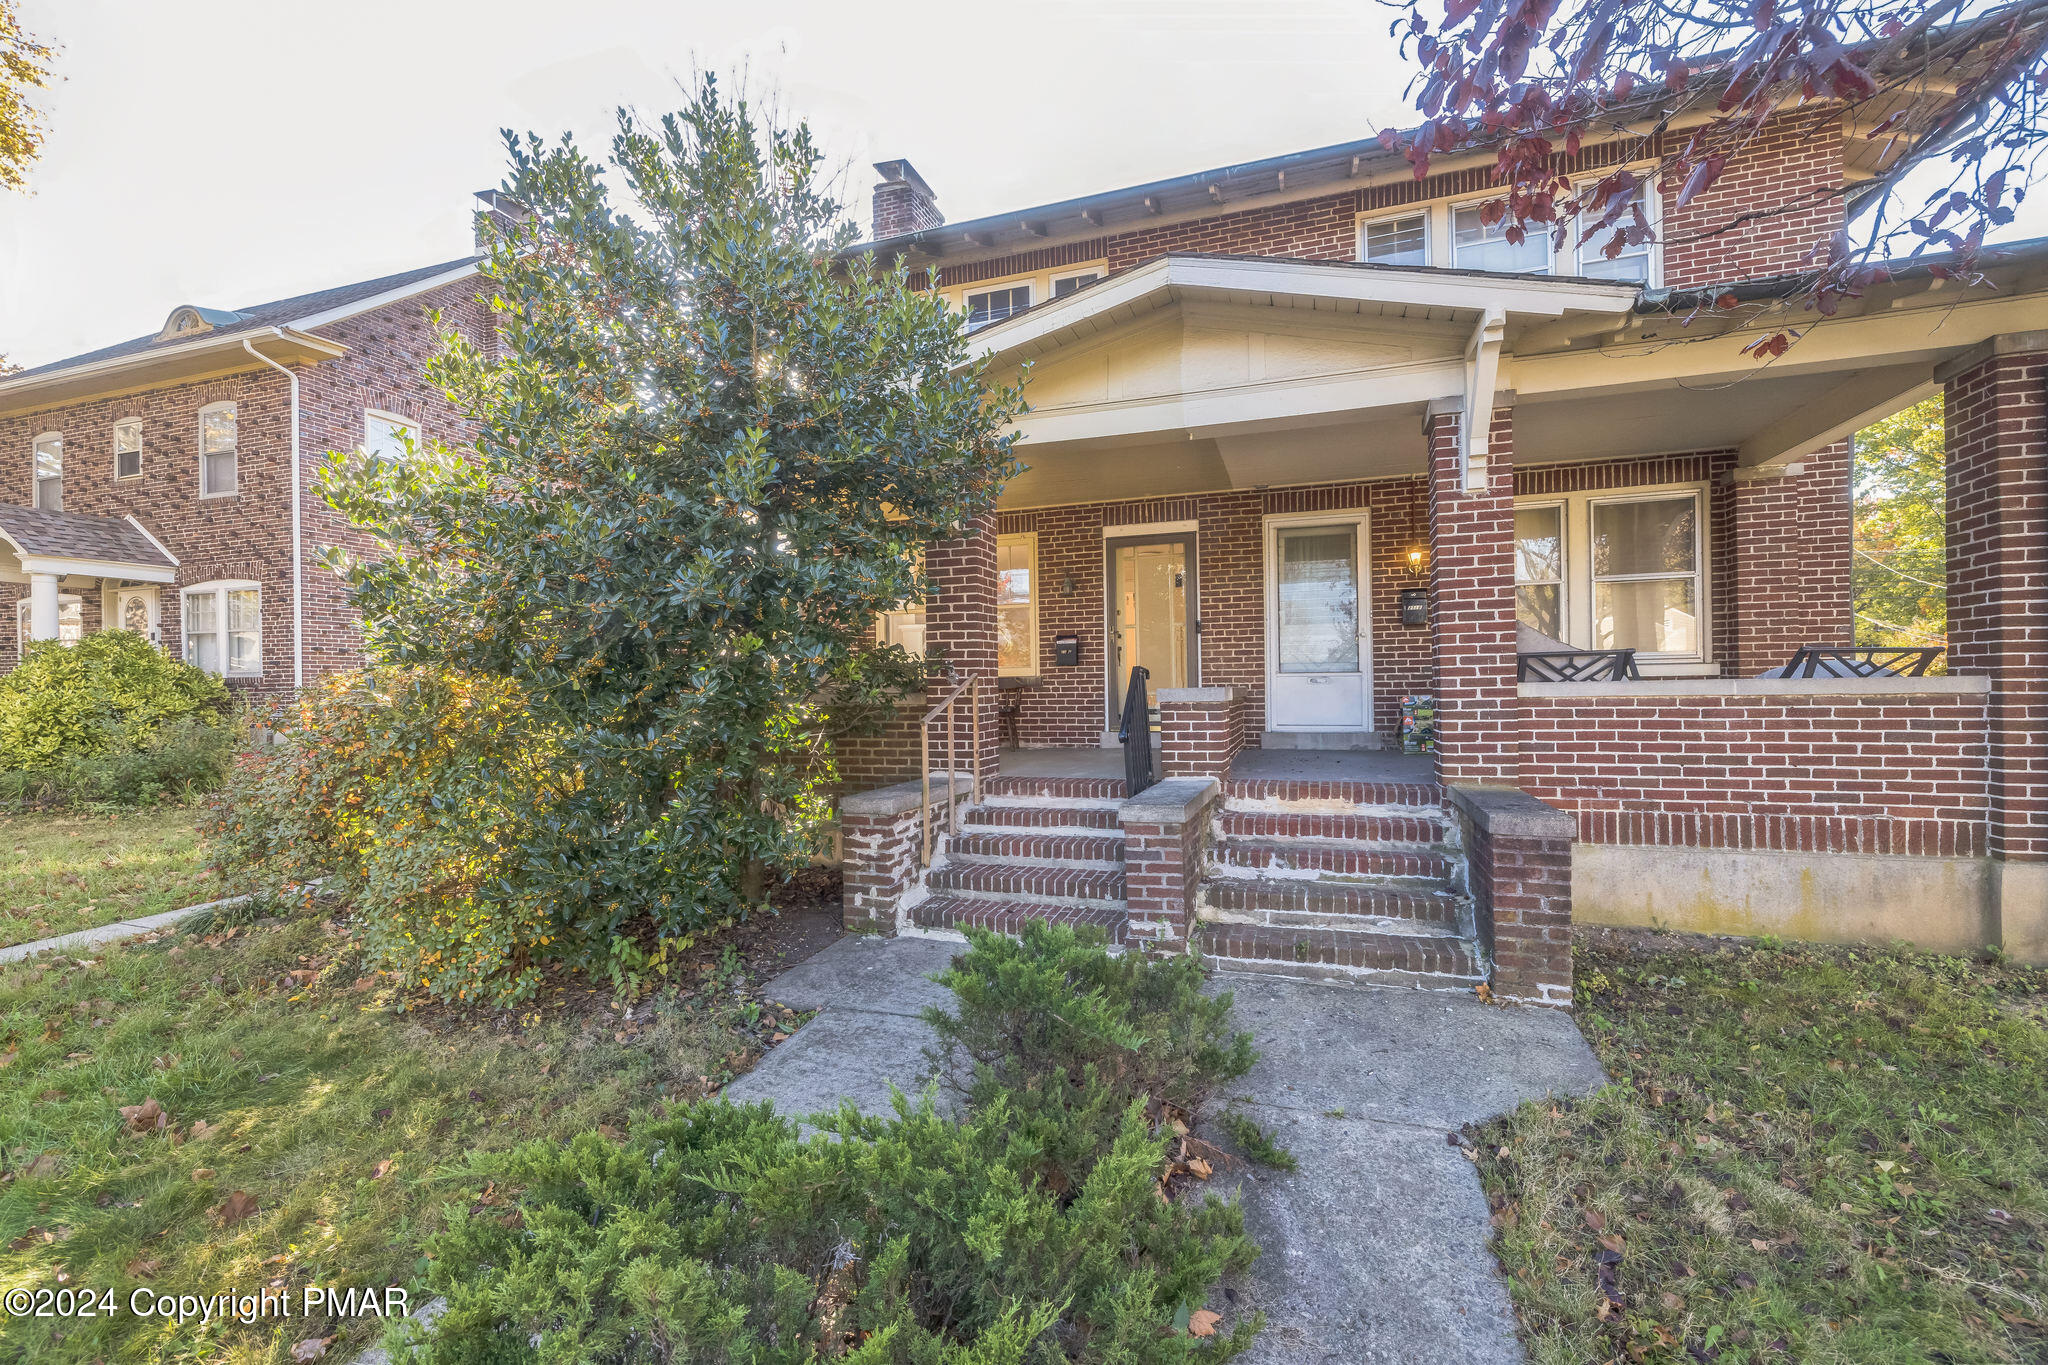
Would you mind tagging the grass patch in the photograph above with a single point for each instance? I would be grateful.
(77, 870)
(1808, 1153)
(291, 1086)
(1256, 1143)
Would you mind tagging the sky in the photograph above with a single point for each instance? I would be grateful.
(229, 152)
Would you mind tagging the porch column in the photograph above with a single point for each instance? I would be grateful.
(1792, 537)
(1472, 602)
(42, 606)
(960, 639)
(1997, 429)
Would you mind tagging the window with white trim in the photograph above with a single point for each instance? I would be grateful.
(219, 476)
(905, 625)
(70, 621)
(1017, 604)
(1402, 240)
(1630, 234)
(1477, 244)
(987, 306)
(128, 448)
(223, 628)
(1073, 281)
(1616, 569)
(385, 435)
(49, 471)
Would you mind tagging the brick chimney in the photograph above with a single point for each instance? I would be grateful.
(903, 202)
(501, 212)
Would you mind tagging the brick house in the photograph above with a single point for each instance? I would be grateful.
(163, 483)
(1308, 438)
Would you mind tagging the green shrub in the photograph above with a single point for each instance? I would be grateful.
(725, 1235)
(112, 692)
(186, 758)
(1068, 1037)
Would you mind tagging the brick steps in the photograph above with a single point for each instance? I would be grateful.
(1418, 828)
(1307, 902)
(1009, 917)
(1058, 844)
(1332, 858)
(1083, 788)
(1061, 815)
(1331, 795)
(1065, 885)
(1443, 961)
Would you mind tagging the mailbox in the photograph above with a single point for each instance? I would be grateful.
(1066, 650)
(1415, 606)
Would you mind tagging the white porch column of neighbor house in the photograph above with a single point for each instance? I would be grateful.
(42, 606)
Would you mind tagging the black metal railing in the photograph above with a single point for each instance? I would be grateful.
(1578, 665)
(1136, 734)
(1841, 661)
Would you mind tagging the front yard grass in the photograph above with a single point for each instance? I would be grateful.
(239, 1109)
(1808, 1154)
(76, 870)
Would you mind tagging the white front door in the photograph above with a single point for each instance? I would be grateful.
(1318, 623)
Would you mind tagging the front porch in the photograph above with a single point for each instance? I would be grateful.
(1281, 765)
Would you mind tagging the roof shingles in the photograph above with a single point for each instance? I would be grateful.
(67, 535)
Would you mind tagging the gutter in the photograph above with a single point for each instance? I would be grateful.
(298, 497)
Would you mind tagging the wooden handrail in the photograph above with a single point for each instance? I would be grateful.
(971, 685)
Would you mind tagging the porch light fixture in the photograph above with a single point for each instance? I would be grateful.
(1416, 557)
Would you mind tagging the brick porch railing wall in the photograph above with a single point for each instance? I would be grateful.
(1472, 605)
(1200, 730)
(1997, 431)
(882, 836)
(1519, 870)
(960, 635)
(1166, 831)
(1832, 771)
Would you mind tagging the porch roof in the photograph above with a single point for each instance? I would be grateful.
(36, 541)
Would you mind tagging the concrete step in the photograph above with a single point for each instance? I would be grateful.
(1009, 917)
(1428, 961)
(1332, 858)
(1399, 829)
(1073, 886)
(1064, 845)
(1307, 902)
(1049, 815)
(1084, 788)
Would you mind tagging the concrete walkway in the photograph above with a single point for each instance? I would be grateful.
(108, 933)
(1375, 1250)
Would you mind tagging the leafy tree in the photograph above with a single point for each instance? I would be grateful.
(706, 457)
(24, 66)
(1901, 566)
(1958, 84)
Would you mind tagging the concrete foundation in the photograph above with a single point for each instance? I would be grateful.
(1943, 904)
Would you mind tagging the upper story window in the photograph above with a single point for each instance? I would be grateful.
(1072, 282)
(993, 305)
(1631, 260)
(1477, 244)
(128, 448)
(385, 435)
(1397, 241)
(1620, 569)
(49, 471)
(219, 475)
(223, 628)
(1017, 604)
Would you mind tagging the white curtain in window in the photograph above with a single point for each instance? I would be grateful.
(202, 630)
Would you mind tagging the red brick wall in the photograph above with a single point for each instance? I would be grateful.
(1997, 426)
(1472, 596)
(1793, 539)
(1825, 772)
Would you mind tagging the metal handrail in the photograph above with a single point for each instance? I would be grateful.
(1136, 734)
(971, 685)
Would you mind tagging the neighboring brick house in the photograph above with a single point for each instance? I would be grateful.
(152, 482)
(1250, 469)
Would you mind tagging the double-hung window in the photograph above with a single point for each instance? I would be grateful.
(1620, 569)
(128, 448)
(386, 435)
(218, 475)
(987, 306)
(1479, 245)
(49, 471)
(1017, 605)
(223, 628)
(1590, 241)
(1397, 241)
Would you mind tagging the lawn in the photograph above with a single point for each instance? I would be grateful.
(73, 870)
(1808, 1154)
(239, 1108)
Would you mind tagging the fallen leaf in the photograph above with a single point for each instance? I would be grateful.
(383, 1169)
(203, 1173)
(147, 1117)
(1612, 1241)
(1759, 1244)
(202, 1130)
(46, 1164)
(144, 1267)
(1202, 1323)
(1595, 1220)
(1201, 1168)
(312, 1348)
(1672, 1303)
(235, 1208)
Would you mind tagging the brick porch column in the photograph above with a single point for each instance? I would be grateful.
(1166, 831)
(1997, 425)
(1472, 603)
(1201, 729)
(960, 637)
(1792, 536)
(1519, 853)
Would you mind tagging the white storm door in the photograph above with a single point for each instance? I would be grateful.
(1318, 626)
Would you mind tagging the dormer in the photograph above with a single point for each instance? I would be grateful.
(189, 320)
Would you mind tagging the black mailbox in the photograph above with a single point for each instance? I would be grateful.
(1415, 606)
(1066, 650)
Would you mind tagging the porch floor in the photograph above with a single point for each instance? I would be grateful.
(1354, 765)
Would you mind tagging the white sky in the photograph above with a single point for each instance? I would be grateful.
(227, 152)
